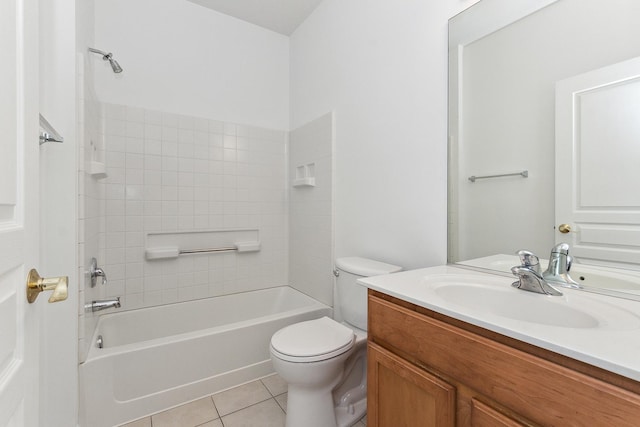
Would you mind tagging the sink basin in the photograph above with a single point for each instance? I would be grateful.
(496, 298)
(607, 279)
(528, 307)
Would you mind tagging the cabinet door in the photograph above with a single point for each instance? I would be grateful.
(483, 415)
(402, 395)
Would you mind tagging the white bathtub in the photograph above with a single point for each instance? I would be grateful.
(160, 357)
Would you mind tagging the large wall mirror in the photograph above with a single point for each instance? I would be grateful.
(544, 133)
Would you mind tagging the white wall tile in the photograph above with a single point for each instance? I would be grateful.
(153, 117)
(310, 247)
(134, 130)
(169, 120)
(174, 172)
(134, 207)
(152, 131)
(135, 114)
(153, 162)
(134, 161)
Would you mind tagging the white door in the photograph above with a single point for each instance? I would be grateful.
(19, 215)
(598, 164)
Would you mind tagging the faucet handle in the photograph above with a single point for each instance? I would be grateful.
(561, 248)
(95, 272)
(530, 260)
(532, 281)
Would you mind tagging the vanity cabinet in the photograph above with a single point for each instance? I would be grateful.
(407, 395)
(427, 369)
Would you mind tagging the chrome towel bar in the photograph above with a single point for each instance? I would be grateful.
(524, 174)
(175, 252)
(198, 251)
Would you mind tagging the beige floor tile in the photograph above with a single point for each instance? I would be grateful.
(214, 423)
(282, 401)
(142, 422)
(264, 414)
(189, 415)
(275, 384)
(240, 397)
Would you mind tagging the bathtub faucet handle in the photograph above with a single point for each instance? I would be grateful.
(95, 272)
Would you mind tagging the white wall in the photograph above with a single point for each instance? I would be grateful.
(180, 57)
(382, 67)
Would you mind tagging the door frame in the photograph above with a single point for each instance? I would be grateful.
(59, 223)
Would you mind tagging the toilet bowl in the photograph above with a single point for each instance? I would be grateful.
(324, 361)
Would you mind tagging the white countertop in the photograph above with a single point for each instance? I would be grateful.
(613, 345)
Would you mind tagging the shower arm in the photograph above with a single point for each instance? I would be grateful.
(105, 55)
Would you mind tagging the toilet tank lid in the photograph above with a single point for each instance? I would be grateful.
(365, 267)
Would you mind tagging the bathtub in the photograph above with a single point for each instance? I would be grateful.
(156, 358)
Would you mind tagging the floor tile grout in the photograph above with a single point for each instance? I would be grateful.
(271, 394)
(283, 410)
(214, 407)
(253, 404)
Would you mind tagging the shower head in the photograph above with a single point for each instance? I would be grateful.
(114, 65)
(108, 57)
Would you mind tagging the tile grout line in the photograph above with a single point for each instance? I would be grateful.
(283, 410)
(215, 407)
(272, 396)
(265, 386)
(253, 404)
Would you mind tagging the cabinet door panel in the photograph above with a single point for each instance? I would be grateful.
(402, 395)
(483, 415)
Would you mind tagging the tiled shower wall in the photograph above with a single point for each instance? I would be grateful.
(169, 172)
(311, 209)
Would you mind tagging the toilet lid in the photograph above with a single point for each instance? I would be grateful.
(318, 339)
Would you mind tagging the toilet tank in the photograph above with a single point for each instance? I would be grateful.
(352, 297)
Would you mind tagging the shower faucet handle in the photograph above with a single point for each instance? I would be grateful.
(95, 272)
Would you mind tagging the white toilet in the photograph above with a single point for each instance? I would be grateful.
(324, 362)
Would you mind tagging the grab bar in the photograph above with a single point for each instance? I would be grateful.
(524, 174)
(48, 133)
(199, 251)
(239, 247)
(174, 252)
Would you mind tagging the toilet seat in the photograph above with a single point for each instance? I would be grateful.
(312, 341)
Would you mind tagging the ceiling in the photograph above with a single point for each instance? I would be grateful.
(282, 16)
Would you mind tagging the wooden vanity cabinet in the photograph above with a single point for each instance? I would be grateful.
(407, 395)
(426, 369)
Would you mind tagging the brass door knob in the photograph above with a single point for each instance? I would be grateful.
(37, 284)
(564, 228)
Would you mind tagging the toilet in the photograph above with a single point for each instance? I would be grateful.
(323, 361)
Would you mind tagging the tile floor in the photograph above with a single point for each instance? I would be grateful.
(261, 403)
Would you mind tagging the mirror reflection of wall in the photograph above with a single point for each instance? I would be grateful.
(505, 119)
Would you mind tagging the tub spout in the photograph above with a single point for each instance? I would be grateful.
(102, 304)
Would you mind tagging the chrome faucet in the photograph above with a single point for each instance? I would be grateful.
(95, 272)
(529, 276)
(103, 304)
(559, 265)
(530, 260)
